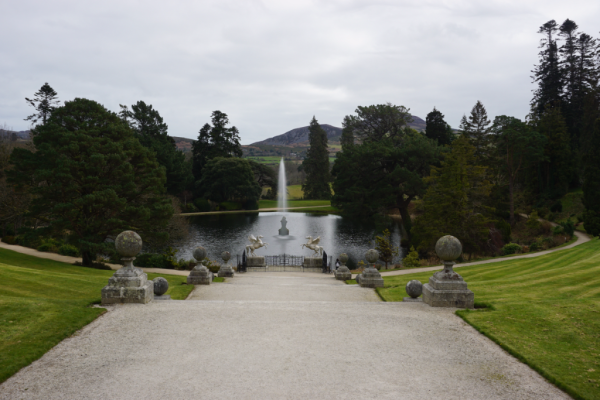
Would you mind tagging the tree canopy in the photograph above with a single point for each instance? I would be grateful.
(376, 122)
(44, 102)
(476, 128)
(316, 164)
(229, 179)
(436, 128)
(91, 177)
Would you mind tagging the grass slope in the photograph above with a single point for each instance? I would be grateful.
(545, 311)
(294, 203)
(43, 302)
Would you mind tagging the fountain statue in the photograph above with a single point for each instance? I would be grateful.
(283, 231)
(253, 260)
(313, 261)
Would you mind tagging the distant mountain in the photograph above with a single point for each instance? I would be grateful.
(300, 135)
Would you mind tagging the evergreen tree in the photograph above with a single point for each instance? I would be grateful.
(215, 141)
(153, 133)
(44, 102)
(229, 179)
(547, 74)
(373, 123)
(316, 164)
(591, 184)
(476, 128)
(437, 129)
(91, 177)
(347, 138)
(387, 251)
(454, 203)
(264, 175)
(515, 144)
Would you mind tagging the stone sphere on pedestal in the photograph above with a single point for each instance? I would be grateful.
(448, 248)
(225, 256)
(128, 244)
(372, 256)
(343, 258)
(161, 285)
(414, 288)
(199, 253)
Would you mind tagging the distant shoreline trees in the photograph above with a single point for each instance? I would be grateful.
(316, 165)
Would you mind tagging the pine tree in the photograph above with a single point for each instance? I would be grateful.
(547, 74)
(436, 128)
(44, 102)
(454, 203)
(476, 128)
(386, 250)
(591, 184)
(316, 164)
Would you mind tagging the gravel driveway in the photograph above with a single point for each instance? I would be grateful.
(278, 336)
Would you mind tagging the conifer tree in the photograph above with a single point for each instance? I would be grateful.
(591, 184)
(436, 128)
(44, 102)
(454, 203)
(316, 164)
(476, 128)
(547, 74)
(387, 251)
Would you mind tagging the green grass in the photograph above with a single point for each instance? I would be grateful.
(322, 210)
(43, 302)
(294, 203)
(545, 311)
(265, 159)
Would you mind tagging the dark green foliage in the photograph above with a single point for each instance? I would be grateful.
(374, 123)
(437, 128)
(68, 250)
(511, 248)
(516, 145)
(387, 251)
(316, 165)
(591, 183)
(225, 179)
(91, 177)
(412, 259)
(380, 175)
(556, 207)
(44, 101)
(505, 229)
(9, 239)
(215, 141)
(568, 227)
(476, 128)
(202, 204)
(251, 205)
(265, 176)
(153, 134)
(454, 203)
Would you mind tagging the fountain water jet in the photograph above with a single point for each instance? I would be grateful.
(282, 186)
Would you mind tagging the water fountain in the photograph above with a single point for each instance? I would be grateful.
(282, 198)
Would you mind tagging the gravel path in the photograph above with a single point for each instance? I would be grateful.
(274, 336)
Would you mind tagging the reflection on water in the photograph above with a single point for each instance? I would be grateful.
(229, 232)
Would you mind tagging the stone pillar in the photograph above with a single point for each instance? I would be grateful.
(225, 271)
(370, 276)
(343, 273)
(200, 275)
(128, 284)
(447, 288)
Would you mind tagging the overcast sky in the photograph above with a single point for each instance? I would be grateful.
(272, 65)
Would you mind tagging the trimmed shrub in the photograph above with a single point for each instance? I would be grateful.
(45, 247)
(202, 204)
(568, 227)
(68, 250)
(412, 259)
(557, 230)
(535, 246)
(9, 240)
(511, 248)
(212, 265)
(230, 206)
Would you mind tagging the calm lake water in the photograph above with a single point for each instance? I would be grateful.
(229, 232)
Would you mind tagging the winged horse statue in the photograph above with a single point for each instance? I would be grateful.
(312, 244)
(256, 243)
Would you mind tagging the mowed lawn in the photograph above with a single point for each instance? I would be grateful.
(294, 203)
(43, 302)
(544, 310)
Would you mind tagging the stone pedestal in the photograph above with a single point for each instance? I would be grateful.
(256, 262)
(370, 278)
(200, 275)
(283, 231)
(448, 289)
(313, 262)
(128, 285)
(343, 272)
(225, 271)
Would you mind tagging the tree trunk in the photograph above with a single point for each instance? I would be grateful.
(86, 258)
(406, 221)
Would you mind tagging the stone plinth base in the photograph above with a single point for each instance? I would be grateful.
(128, 285)
(163, 297)
(411, 300)
(255, 262)
(313, 262)
(225, 271)
(370, 278)
(200, 275)
(343, 273)
(284, 231)
(448, 290)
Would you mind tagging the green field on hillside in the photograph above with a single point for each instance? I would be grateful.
(294, 203)
(43, 302)
(544, 310)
